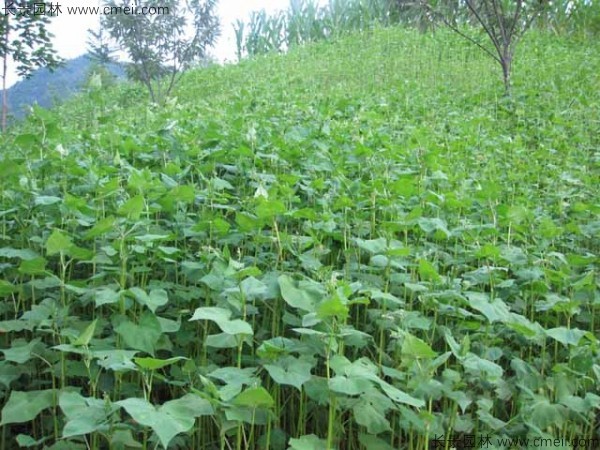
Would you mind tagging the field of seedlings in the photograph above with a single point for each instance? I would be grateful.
(360, 244)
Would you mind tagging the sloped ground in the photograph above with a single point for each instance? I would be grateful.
(358, 244)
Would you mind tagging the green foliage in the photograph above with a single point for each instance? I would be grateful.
(359, 244)
(25, 42)
(160, 45)
(100, 50)
(47, 88)
(305, 21)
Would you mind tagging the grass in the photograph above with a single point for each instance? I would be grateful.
(358, 244)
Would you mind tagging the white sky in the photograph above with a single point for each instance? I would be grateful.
(70, 31)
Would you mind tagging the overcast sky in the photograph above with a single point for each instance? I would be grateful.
(70, 31)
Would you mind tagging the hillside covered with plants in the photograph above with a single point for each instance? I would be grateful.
(46, 88)
(360, 244)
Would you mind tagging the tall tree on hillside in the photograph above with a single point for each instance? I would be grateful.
(167, 39)
(100, 48)
(25, 40)
(504, 22)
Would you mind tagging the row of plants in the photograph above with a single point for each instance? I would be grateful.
(307, 21)
(351, 246)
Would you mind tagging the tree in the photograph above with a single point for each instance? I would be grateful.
(26, 41)
(100, 49)
(160, 39)
(503, 21)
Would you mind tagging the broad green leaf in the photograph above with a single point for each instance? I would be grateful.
(9, 373)
(566, 336)
(373, 443)
(6, 288)
(35, 266)
(494, 310)
(106, 296)
(297, 296)
(333, 307)
(236, 327)
(368, 416)
(116, 360)
(101, 227)
(268, 209)
(349, 386)
(428, 272)
(123, 439)
(211, 313)
(152, 237)
(84, 415)
(221, 317)
(86, 335)
(25, 406)
(545, 414)
(415, 348)
(163, 423)
(190, 405)
(291, 371)
(46, 200)
(26, 441)
(26, 254)
(20, 351)
(142, 336)
(154, 300)
(155, 364)
(132, 208)
(221, 340)
(184, 193)
(255, 397)
(253, 288)
(58, 242)
(374, 246)
(308, 442)
(399, 396)
(478, 366)
(234, 375)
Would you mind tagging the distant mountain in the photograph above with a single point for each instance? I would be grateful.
(47, 88)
